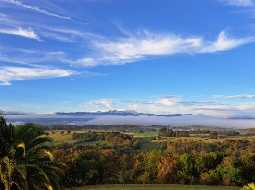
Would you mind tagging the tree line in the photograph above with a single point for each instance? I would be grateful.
(30, 160)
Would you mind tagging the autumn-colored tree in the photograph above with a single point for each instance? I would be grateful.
(167, 169)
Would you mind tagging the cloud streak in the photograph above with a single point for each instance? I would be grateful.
(30, 57)
(239, 3)
(25, 33)
(9, 74)
(36, 9)
(136, 47)
(224, 43)
(240, 97)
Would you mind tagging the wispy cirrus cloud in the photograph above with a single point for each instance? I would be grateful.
(45, 30)
(240, 3)
(65, 34)
(25, 33)
(225, 43)
(146, 44)
(36, 9)
(30, 57)
(9, 74)
(16, 26)
(130, 48)
(240, 96)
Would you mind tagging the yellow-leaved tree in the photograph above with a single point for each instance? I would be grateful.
(250, 186)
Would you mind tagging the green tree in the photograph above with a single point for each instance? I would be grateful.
(246, 168)
(87, 168)
(26, 160)
(187, 169)
(166, 132)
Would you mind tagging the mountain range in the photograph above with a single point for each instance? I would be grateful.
(116, 117)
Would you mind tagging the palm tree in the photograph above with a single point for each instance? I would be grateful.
(26, 159)
(250, 186)
(6, 163)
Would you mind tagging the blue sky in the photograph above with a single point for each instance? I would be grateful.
(159, 56)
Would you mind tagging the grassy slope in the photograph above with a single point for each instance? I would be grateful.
(154, 187)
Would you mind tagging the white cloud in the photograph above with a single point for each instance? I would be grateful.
(240, 96)
(8, 74)
(241, 3)
(36, 9)
(99, 105)
(140, 46)
(31, 57)
(173, 105)
(26, 33)
(168, 101)
(86, 61)
(104, 102)
(224, 43)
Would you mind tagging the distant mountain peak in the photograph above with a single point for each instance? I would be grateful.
(118, 112)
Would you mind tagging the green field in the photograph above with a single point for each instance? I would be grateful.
(144, 134)
(155, 187)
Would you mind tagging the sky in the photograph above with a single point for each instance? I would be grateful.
(155, 56)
